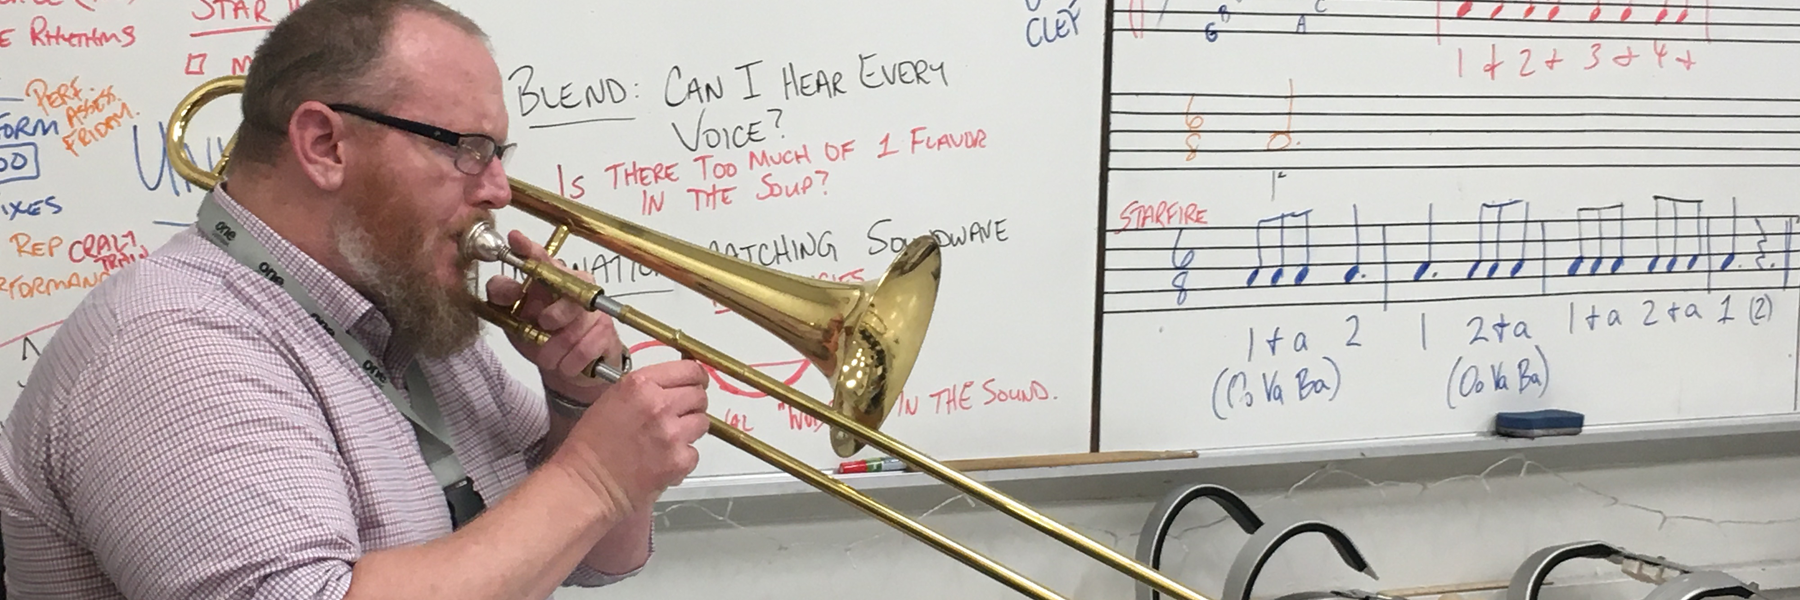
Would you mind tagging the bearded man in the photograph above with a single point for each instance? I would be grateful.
(290, 399)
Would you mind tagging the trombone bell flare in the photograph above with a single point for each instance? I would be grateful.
(882, 343)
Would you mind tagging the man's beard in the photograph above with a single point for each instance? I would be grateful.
(394, 268)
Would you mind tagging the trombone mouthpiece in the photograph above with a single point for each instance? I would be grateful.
(485, 244)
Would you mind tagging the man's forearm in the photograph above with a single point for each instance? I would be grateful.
(522, 547)
(626, 546)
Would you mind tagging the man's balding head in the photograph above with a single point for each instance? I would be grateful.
(327, 50)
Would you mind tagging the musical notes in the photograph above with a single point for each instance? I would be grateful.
(1285, 135)
(1524, 232)
(1751, 21)
(1498, 238)
(1598, 216)
(1673, 207)
(1430, 232)
(1731, 256)
(1480, 242)
(1626, 9)
(1356, 226)
(1497, 254)
(1281, 226)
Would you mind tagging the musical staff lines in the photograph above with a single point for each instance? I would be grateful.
(1709, 21)
(1308, 258)
(1150, 131)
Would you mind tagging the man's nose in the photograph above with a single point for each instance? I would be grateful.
(493, 191)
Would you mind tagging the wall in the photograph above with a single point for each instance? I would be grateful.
(1421, 521)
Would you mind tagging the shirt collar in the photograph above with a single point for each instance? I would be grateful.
(336, 298)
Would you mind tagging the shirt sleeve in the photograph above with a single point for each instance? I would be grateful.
(196, 464)
(589, 578)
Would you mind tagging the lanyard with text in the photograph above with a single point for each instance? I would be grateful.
(222, 229)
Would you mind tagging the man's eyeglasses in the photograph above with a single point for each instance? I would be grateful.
(473, 150)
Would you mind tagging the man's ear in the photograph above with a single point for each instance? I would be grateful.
(316, 134)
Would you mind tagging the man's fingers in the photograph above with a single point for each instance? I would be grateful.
(560, 314)
(503, 290)
(593, 344)
(679, 373)
(525, 247)
(690, 428)
(599, 341)
(690, 401)
(686, 458)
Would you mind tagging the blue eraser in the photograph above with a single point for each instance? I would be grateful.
(1538, 423)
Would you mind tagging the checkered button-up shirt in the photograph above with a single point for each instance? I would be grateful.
(190, 432)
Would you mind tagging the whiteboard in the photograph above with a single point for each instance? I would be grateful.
(1170, 224)
(1371, 220)
(842, 127)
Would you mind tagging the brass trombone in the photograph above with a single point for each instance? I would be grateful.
(864, 337)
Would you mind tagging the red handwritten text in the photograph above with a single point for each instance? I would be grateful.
(780, 189)
(573, 190)
(1137, 215)
(110, 251)
(947, 141)
(762, 159)
(710, 169)
(232, 10)
(642, 175)
(738, 421)
(1031, 392)
(42, 34)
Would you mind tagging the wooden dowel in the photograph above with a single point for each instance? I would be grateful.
(1060, 460)
(1457, 588)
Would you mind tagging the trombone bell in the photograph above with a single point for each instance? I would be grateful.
(864, 338)
(881, 340)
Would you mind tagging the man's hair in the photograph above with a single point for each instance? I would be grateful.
(326, 50)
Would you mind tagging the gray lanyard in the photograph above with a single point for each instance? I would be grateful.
(435, 441)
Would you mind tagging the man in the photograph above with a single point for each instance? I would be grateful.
(202, 428)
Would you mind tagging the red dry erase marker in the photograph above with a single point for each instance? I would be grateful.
(873, 465)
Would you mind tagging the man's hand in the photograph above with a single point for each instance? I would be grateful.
(577, 335)
(638, 437)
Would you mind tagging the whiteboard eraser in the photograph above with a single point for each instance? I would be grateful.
(1538, 423)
